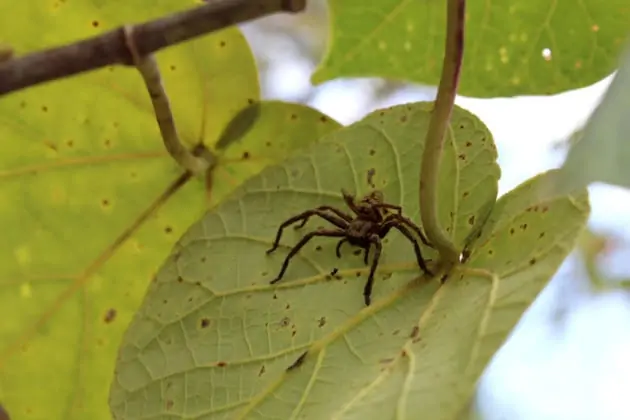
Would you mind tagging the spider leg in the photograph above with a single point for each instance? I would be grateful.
(407, 222)
(416, 247)
(338, 249)
(341, 224)
(367, 290)
(337, 212)
(299, 245)
(366, 255)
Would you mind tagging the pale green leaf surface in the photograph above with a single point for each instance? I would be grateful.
(213, 337)
(81, 165)
(404, 40)
(524, 242)
(602, 152)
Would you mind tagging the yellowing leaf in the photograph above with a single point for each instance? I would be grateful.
(213, 339)
(90, 203)
(511, 48)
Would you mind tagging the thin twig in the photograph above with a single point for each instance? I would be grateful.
(440, 118)
(148, 68)
(109, 48)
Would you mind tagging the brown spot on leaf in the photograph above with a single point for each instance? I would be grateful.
(221, 364)
(285, 322)
(168, 229)
(334, 271)
(471, 220)
(250, 101)
(511, 231)
(541, 234)
(372, 152)
(110, 315)
(396, 332)
(169, 404)
(523, 226)
(261, 372)
(222, 44)
(468, 143)
(44, 108)
(95, 23)
(318, 248)
(298, 362)
(321, 322)
(465, 194)
(294, 116)
(532, 261)
(403, 119)
(414, 331)
(245, 155)
(461, 156)
(205, 322)
(323, 119)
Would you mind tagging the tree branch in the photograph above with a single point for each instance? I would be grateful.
(110, 47)
(440, 118)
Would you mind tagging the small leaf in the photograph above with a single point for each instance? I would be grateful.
(602, 152)
(214, 338)
(511, 48)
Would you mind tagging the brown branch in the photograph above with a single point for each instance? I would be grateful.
(110, 47)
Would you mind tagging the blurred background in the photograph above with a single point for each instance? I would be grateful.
(568, 357)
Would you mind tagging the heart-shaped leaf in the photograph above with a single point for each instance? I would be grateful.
(213, 339)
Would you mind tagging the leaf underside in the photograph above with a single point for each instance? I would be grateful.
(213, 340)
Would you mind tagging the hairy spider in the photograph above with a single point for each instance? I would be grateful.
(372, 221)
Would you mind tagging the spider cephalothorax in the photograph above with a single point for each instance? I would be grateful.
(372, 220)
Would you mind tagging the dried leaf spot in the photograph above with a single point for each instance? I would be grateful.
(414, 332)
(205, 322)
(471, 220)
(298, 362)
(110, 315)
(246, 155)
(321, 322)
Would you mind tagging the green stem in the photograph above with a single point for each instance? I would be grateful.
(434, 142)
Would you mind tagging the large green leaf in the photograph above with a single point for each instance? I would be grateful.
(90, 204)
(601, 152)
(213, 338)
(404, 39)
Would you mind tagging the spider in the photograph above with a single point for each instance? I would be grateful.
(372, 221)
